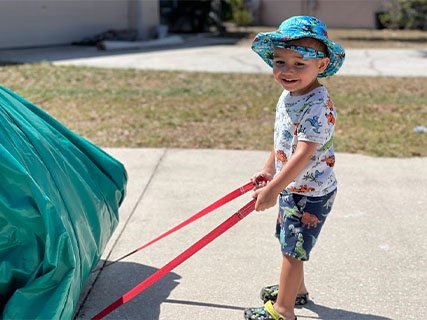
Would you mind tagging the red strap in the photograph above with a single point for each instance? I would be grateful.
(227, 224)
(225, 199)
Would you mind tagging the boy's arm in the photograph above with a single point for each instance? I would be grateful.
(268, 171)
(267, 196)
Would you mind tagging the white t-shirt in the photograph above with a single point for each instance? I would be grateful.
(310, 117)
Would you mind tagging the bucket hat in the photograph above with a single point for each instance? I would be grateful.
(296, 28)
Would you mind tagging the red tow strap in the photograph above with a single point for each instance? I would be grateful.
(215, 233)
(217, 204)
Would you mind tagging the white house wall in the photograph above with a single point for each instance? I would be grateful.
(33, 23)
(335, 13)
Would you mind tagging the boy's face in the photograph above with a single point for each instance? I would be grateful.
(294, 74)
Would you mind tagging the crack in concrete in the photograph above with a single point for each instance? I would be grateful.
(104, 265)
(371, 63)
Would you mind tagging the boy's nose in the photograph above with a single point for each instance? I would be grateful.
(286, 69)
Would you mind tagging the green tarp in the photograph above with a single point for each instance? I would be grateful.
(59, 199)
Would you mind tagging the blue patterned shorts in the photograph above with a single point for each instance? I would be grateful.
(299, 222)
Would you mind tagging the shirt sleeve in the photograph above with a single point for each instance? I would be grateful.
(316, 123)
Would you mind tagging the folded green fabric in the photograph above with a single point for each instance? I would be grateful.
(59, 200)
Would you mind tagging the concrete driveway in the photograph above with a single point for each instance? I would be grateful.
(369, 263)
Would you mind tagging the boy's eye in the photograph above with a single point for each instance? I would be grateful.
(278, 61)
(299, 64)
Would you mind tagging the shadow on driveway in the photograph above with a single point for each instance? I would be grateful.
(116, 280)
(66, 52)
(324, 312)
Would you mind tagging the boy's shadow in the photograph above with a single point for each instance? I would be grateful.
(111, 283)
(324, 312)
(106, 286)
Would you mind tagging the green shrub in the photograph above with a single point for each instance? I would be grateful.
(241, 15)
(405, 14)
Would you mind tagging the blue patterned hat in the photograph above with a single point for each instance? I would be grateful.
(296, 28)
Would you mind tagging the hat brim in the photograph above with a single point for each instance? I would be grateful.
(264, 44)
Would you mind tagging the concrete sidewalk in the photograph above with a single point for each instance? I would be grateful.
(369, 263)
(219, 57)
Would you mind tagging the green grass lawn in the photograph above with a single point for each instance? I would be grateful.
(129, 108)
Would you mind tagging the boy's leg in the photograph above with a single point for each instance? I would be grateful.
(270, 293)
(302, 288)
(291, 276)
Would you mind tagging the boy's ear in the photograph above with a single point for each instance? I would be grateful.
(323, 64)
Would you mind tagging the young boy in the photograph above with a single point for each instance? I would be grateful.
(300, 168)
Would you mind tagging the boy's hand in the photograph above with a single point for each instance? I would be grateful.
(261, 179)
(265, 199)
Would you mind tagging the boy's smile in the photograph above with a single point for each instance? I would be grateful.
(295, 74)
